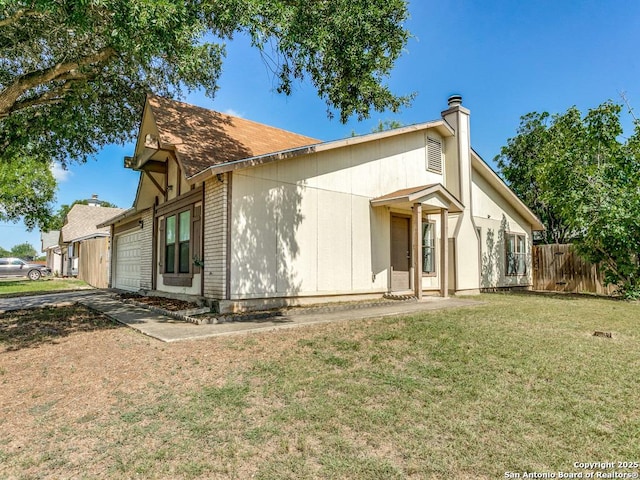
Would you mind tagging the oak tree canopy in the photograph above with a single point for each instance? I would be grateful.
(579, 174)
(74, 75)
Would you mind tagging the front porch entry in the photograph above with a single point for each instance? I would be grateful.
(406, 234)
(400, 253)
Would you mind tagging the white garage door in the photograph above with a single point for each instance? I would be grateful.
(127, 271)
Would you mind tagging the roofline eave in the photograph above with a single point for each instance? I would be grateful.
(251, 162)
(443, 128)
(129, 213)
(84, 237)
(419, 196)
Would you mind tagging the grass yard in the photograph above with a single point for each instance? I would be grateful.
(517, 384)
(11, 287)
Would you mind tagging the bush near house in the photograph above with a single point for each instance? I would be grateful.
(579, 174)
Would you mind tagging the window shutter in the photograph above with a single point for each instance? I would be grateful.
(434, 155)
(196, 237)
(163, 244)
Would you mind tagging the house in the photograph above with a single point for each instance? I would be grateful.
(84, 246)
(49, 246)
(250, 215)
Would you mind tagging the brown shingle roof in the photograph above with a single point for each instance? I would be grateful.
(82, 221)
(202, 138)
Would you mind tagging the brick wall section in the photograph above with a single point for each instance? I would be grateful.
(215, 237)
(146, 251)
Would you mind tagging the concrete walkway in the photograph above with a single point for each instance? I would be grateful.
(8, 304)
(167, 329)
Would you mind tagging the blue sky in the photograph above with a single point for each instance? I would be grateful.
(506, 58)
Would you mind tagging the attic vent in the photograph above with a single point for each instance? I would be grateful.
(434, 155)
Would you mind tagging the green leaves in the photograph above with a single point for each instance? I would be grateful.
(24, 250)
(581, 178)
(27, 189)
(66, 54)
(344, 47)
(74, 75)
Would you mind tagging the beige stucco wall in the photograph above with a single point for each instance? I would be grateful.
(465, 272)
(147, 127)
(305, 226)
(194, 289)
(172, 179)
(54, 262)
(147, 191)
(495, 217)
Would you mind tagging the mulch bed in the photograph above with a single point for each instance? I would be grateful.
(169, 304)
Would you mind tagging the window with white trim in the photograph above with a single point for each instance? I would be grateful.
(428, 248)
(516, 254)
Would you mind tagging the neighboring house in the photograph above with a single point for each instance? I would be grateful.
(84, 246)
(50, 247)
(252, 216)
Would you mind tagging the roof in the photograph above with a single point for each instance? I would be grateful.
(81, 222)
(207, 142)
(49, 239)
(435, 195)
(125, 215)
(440, 126)
(202, 138)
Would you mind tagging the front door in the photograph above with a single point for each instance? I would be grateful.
(400, 253)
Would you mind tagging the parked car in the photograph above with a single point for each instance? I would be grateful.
(15, 267)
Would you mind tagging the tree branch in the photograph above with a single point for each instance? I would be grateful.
(49, 97)
(62, 71)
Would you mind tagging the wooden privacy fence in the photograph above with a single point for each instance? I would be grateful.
(93, 266)
(557, 268)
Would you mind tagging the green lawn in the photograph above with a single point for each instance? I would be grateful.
(10, 287)
(519, 384)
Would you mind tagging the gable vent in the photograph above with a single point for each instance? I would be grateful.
(434, 155)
